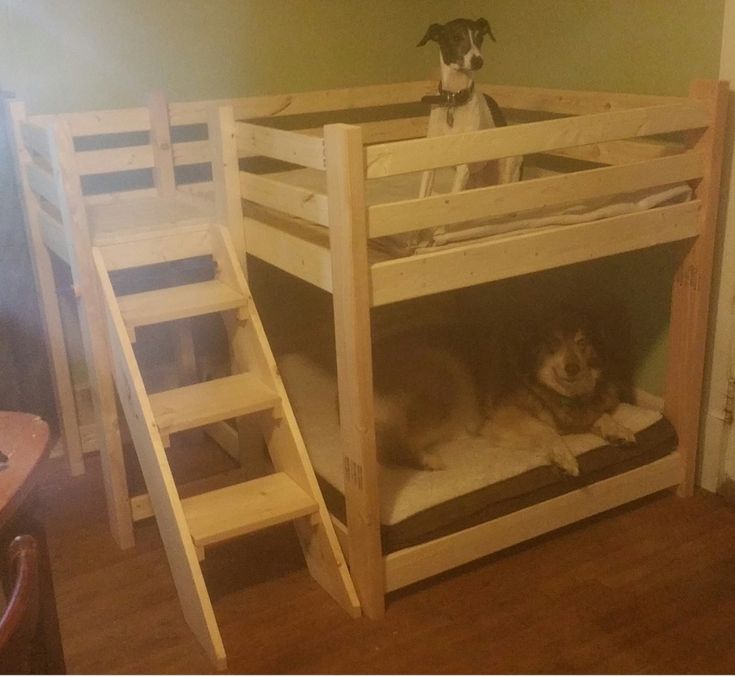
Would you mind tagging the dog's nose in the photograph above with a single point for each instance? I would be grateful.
(476, 63)
(572, 369)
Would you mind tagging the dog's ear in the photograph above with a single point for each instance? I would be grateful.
(483, 28)
(434, 32)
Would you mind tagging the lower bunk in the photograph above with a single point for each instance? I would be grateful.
(486, 498)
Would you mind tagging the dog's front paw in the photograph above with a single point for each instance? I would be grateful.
(613, 432)
(562, 457)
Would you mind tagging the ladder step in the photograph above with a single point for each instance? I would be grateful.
(211, 401)
(175, 303)
(246, 507)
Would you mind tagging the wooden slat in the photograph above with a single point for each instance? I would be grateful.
(382, 131)
(210, 401)
(43, 184)
(240, 509)
(535, 137)
(515, 254)
(160, 140)
(192, 152)
(111, 160)
(291, 249)
(300, 149)
(174, 303)
(116, 121)
(36, 139)
(53, 235)
(414, 564)
(305, 102)
(120, 196)
(573, 188)
(293, 200)
(145, 249)
(621, 152)
(570, 102)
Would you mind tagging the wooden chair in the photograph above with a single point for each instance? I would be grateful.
(19, 622)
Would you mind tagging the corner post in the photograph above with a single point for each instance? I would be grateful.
(348, 236)
(63, 386)
(692, 286)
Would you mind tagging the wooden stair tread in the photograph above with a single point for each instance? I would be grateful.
(217, 400)
(114, 221)
(175, 303)
(246, 507)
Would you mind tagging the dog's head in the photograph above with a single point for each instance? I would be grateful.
(568, 354)
(460, 41)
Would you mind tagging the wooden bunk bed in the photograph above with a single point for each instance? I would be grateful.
(340, 231)
(328, 183)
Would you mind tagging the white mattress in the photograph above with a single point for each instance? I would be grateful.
(471, 463)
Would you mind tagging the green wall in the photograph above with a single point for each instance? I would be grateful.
(61, 55)
(643, 46)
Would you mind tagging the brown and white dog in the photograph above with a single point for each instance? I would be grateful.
(459, 108)
(425, 394)
(564, 379)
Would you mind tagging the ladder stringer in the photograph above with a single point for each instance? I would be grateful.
(182, 556)
(286, 446)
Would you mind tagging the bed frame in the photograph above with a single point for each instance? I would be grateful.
(620, 143)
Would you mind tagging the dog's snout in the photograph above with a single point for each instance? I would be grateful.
(476, 62)
(572, 369)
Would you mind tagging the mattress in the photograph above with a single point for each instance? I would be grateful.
(406, 187)
(480, 482)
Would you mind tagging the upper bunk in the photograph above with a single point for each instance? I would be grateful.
(585, 153)
(604, 174)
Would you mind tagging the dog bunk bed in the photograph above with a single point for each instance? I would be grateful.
(345, 216)
(328, 182)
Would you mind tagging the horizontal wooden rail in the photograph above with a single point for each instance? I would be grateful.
(53, 235)
(293, 200)
(192, 152)
(570, 102)
(572, 188)
(118, 121)
(43, 184)
(417, 155)
(299, 149)
(36, 139)
(514, 254)
(112, 160)
(305, 102)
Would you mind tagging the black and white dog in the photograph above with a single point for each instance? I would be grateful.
(458, 108)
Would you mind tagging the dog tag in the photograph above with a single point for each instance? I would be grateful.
(450, 116)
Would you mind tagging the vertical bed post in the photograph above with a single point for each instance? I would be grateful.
(94, 336)
(61, 380)
(691, 289)
(351, 297)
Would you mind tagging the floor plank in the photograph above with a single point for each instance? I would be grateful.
(649, 588)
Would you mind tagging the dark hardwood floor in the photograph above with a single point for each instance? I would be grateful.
(649, 588)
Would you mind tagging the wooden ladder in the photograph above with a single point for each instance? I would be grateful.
(254, 390)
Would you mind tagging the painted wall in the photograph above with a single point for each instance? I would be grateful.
(62, 55)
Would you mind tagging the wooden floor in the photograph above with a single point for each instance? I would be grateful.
(646, 589)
